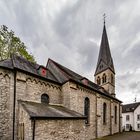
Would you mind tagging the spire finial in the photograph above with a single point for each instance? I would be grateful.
(104, 16)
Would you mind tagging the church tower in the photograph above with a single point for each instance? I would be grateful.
(105, 72)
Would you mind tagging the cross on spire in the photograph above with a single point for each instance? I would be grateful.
(104, 16)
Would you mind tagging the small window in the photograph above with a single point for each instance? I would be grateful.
(101, 66)
(98, 80)
(127, 118)
(138, 125)
(127, 126)
(45, 98)
(104, 113)
(42, 71)
(138, 117)
(112, 79)
(104, 78)
(115, 114)
(87, 109)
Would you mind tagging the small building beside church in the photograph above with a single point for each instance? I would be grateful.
(131, 117)
(53, 102)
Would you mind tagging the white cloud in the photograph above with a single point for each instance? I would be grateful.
(69, 31)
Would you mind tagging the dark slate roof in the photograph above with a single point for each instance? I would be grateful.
(46, 111)
(55, 72)
(20, 63)
(105, 60)
(130, 107)
(64, 74)
(6, 63)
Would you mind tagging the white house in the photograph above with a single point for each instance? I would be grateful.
(131, 117)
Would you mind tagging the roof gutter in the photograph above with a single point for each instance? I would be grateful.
(14, 104)
(86, 86)
(33, 133)
(56, 118)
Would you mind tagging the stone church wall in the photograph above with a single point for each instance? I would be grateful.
(6, 104)
(60, 130)
(115, 125)
(73, 98)
(29, 88)
(24, 121)
(110, 127)
(103, 128)
(51, 129)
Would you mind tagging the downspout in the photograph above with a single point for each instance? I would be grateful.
(119, 120)
(96, 120)
(110, 118)
(33, 130)
(14, 104)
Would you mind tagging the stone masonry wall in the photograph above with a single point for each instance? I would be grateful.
(6, 104)
(73, 98)
(60, 130)
(51, 129)
(24, 118)
(103, 129)
(29, 88)
(108, 85)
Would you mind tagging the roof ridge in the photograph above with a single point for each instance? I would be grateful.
(131, 103)
(63, 70)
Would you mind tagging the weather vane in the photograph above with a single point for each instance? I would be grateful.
(104, 17)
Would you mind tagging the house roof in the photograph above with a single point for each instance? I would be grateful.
(55, 72)
(105, 60)
(46, 111)
(130, 107)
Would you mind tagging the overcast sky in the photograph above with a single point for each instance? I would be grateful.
(69, 32)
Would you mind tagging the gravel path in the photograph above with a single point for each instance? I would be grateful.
(123, 136)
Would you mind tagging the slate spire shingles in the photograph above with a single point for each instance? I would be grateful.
(105, 60)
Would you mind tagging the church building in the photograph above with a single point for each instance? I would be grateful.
(53, 102)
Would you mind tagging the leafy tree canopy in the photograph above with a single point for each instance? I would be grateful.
(10, 44)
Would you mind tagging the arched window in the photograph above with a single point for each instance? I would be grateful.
(45, 98)
(115, 114)
(98, 80)
(112, 79)
(104, 113)
(87, 109)
(104, 78)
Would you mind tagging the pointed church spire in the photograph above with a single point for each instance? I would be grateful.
(104, 60)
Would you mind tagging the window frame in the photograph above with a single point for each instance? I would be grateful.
(138, 117)
(104, 78)
(87, 109)
(45, 98)
(138, 126)
(127, 117)
(98, 80)
(104, 113)
(115, 115)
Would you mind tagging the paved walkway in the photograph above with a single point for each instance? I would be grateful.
(123, 136)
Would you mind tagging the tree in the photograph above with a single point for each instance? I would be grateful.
(10, 44)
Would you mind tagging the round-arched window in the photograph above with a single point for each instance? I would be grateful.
(45, 98)
(98, 80)
(104, 78)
